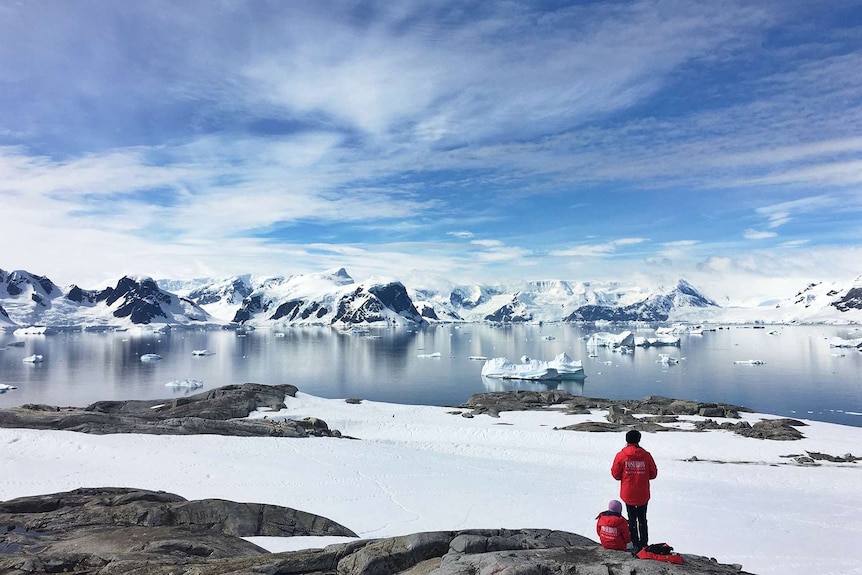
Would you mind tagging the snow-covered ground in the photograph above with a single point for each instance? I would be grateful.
(420, 468)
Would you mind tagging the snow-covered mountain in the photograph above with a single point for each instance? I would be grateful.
(334, 298)
(820, 301)
(558, 300)
(328, 298)
(31, 300)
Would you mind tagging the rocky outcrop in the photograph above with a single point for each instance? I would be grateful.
(647, 414)
(204, 550)
(216, 412)
(121, 530)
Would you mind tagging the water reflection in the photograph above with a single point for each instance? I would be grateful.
(801, 376)
(573, 386)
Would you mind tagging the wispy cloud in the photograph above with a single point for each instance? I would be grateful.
(758, 235)
(197, 131)
(596, 250)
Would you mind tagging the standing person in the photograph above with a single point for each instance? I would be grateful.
(634, 467)
(612, 527)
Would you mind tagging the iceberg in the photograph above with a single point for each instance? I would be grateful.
(35, 358)
(656, 341)
(605, 339)
(4, 387)
(32, 330)
(665, 359)
(561, 367)
(202, 352)
(749, 362)
(841, 342)
(435, 354)
(151, 357)
(188, 383)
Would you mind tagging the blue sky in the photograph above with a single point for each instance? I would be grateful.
(472, 141)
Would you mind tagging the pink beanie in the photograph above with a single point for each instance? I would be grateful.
(615, 506)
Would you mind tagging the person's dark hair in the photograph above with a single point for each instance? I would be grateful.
(633, 436)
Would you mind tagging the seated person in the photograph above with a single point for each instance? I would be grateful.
(613, 528)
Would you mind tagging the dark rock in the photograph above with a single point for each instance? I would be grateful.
(471, 552)
(219, 411)
(119, 530)
(775, 429)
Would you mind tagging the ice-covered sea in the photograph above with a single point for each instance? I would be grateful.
(799, 375)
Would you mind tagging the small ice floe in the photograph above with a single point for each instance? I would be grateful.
(280, 334)
(548, 338)
(202, 352)
(5, 387)
(187, 383)
(526, 359)
(35, 358)
(749, 362)
(837, 354)
(478, 357)
(151, 357)
(665, 359)
(15, 344)
(435, 354)
(32, 330)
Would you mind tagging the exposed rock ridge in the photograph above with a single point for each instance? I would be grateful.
(216, 412)
(111, 531)
(651, 412)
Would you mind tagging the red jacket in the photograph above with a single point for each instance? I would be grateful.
(634, 467)
(613, 530)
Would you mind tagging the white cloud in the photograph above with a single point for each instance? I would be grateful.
(596, 250)
(758, 235)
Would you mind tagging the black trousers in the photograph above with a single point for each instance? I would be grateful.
(638, 525)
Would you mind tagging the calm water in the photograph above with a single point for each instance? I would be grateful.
(802, 376)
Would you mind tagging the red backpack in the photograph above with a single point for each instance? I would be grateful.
(660, 552)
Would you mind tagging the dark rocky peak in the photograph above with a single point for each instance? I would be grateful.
(850, 300)
(19, 282)
(82, 296)
(368, 305)
(139, 298)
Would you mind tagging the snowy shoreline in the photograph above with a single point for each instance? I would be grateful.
(424, 468)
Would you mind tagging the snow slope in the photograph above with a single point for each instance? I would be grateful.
(419, 468)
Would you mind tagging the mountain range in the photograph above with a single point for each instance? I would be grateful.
(334, 298)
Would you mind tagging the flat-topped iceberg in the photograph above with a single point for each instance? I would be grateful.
(151, 357)
(187, 383)
(605, 339)
(561, 367)
(35, 358)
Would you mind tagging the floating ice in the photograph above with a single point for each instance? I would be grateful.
(561, 367)
(15, 344)
(151, 357)
(5, 387)
(35, 358)
(665, 359)
(435, 354)
(478, 357)
(841, 342)
(605, 339)
(189, 383)
(202, 352)
(749, 362)
(32, 330)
